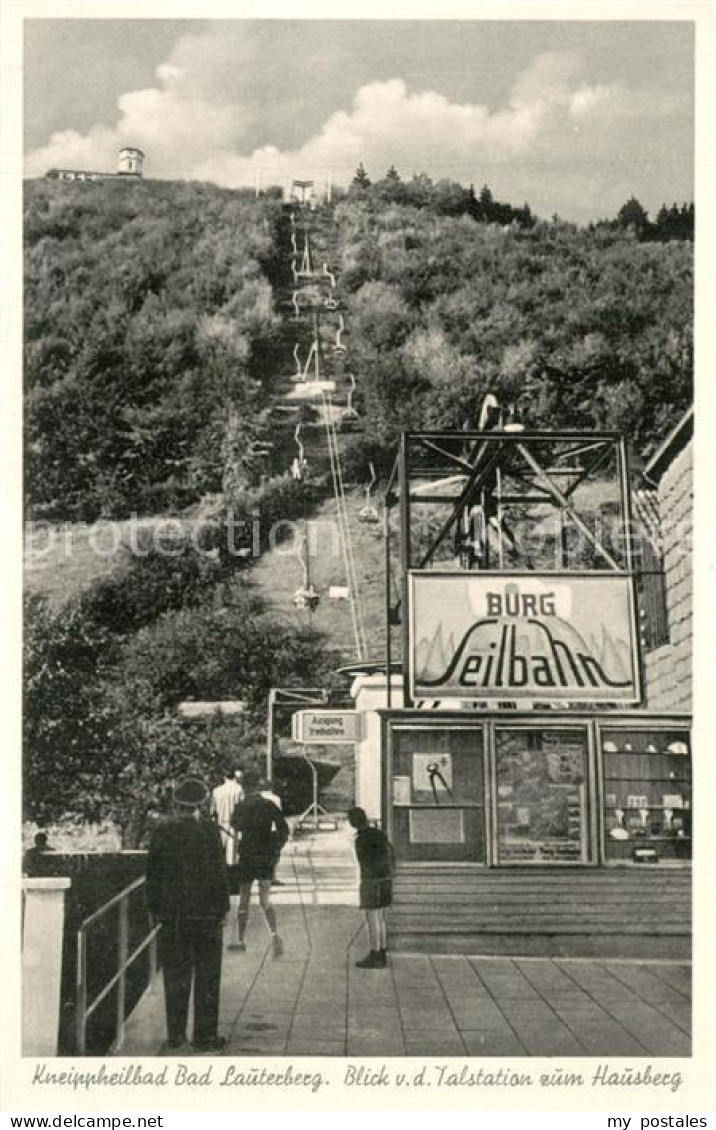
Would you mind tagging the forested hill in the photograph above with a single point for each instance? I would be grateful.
(154, 341)
(586, 328)
(162, 333)
(149, 319)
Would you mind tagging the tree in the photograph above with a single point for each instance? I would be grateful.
(381, 318)
(361, 178)
(574, 312)
(159, 751)
(674, 222)
(392, 173)
(101, 733)
(633, 214)
(145, 315)
(70, 726)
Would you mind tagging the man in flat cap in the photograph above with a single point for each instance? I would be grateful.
(187, 891)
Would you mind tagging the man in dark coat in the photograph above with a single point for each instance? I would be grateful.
(263, 832)
(187, 891)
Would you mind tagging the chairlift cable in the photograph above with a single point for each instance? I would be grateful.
(355, 591)
(341, 535)
(351, 554)
(347, 551)
(344, 529)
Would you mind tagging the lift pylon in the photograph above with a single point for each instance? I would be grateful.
(506, 500)
(303, 186)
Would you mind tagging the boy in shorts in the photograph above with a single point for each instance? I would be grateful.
(263, 832)
(376, 861)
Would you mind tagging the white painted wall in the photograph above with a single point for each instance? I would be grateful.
(43, 928)
(370, 693)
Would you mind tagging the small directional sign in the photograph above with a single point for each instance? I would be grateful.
(325, 727)
(190, 709)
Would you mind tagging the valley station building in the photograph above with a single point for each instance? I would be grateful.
(533, 768)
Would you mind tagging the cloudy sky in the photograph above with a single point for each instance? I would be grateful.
(573, 117)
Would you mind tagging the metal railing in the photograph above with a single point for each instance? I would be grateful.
(124, 960)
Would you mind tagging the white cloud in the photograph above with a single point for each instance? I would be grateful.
(550, 79)
(196, 122)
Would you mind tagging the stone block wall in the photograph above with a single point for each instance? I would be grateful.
(668, 668)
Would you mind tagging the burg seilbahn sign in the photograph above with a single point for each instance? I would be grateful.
(523, 637)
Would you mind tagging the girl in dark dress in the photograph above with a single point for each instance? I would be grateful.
(376, 860)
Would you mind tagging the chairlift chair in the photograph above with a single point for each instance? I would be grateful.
(299, 465)
(489, 413)
(309, 390)
(306, 598)
(305, 388)
(260, 449)
(368, 513)
(493, 417)
(339, 347)
(349, 416)
(298, 469)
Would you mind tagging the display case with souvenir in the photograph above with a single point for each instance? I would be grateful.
(647, 794)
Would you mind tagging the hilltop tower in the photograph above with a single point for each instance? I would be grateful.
(130, 162)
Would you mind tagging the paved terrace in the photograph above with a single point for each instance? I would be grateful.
(313, 1001)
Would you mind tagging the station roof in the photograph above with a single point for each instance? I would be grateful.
(674, 443)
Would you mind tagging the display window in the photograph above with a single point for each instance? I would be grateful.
(542, 795)
(527, 790)
(438, 794)
(647, 795)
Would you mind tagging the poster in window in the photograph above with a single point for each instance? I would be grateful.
(565, 758)
(430, 826)
(432, 778)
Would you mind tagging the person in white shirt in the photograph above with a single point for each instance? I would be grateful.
(224, 800)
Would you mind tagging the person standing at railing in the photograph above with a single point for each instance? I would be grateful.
(187, 891)
(34, 861)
